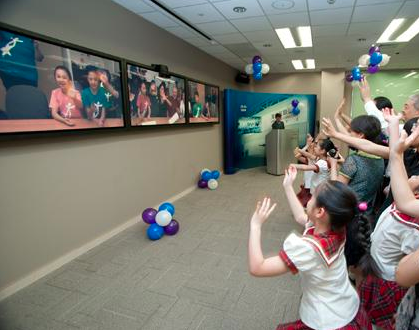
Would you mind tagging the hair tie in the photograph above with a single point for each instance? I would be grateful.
(363, 206)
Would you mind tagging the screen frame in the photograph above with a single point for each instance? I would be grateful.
(218, 103)
(64, 44)
(148, 67)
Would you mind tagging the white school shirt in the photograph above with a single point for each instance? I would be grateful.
(308, 175)
(391, 241)
(321, 174)
(329, 301)
(372, 110)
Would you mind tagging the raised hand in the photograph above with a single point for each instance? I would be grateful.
(339, 109)
(262, 212)
(364, 89)
(309, 139)
(390, 116)
(290, 176)
(328, 128)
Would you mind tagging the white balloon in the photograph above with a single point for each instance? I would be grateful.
(212, 184)
(265, 68)
(385, 60)
(205, 170)
(249, 69)
(163, 218)
(364, 60)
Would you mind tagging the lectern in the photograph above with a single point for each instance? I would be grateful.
(280, 145)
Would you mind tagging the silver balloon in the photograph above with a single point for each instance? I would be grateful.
(385, 60)
(212, 184)
(364, 60)
(249, 69)
(265, 68)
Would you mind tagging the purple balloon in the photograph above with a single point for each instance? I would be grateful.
(373, 68)
(257, 59)
(202, 183)
(373, 49)
(149, 215)
(172, 228)
(349, 78)
(294, 103)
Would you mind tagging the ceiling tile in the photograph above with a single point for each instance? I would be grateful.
(283, 6)
(331, 16)
(409, 9)
(244, 49)
(374, 2)
(252, 8)
(181, 3)
(222, 27)
(289, 20)
(199, 13)
(159, 19)
(231, 38)
(252, 24)
(329, 30)
(379, 12)
(367, 28)
(316, 5)
(261, 36)
(181, 32)
(198, 42)
(136, 6)
(216, 49)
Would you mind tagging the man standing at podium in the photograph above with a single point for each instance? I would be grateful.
(278, 123)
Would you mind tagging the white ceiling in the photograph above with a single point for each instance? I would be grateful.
(237, 37)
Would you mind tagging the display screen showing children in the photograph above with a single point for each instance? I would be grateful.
(203, 103)
(45, 87)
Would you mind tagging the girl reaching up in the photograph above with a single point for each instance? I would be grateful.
(329, 301)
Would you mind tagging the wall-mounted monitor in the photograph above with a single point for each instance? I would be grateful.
(203, 103)
(155, 100)
(48, 85)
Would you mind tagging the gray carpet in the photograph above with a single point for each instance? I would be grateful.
(197, 279)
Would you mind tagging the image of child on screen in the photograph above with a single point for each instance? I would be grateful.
(182, 104)
(174, 107)
(154, 99)
(19, 55)
(143, 102)
(164, 102)
(214, 103)
(65, 102)
(197, 108)
(96, 97)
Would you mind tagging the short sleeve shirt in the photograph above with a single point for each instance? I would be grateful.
(98, 101)
(321, 174)
(65, 104)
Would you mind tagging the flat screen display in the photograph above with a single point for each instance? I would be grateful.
(203, 101)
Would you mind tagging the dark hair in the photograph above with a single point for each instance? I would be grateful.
(339, 201)
(362, 234)
(278, 115)
(382, 102)
(367, 125)
(327, 145)
(408, 126)
(196, 93)
(62, 67)
(91, 68)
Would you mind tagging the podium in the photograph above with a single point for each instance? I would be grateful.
(280, 145)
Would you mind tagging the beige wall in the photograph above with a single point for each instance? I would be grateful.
(59, 193)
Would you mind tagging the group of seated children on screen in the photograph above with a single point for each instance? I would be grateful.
(207, 110)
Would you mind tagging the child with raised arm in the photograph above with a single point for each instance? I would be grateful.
(329, 301)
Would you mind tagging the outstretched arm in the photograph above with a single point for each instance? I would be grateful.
(296, 208)
(258, 265)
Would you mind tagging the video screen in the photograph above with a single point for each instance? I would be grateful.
(45, 87)
(155, 100)
(203, 103)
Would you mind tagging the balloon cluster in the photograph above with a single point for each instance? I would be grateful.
(295, 110)
(355, 75)
(374, 59)
(208, 179)
(257, 68)
(161, 222)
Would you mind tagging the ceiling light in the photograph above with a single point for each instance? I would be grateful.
(298, 65)
(409, 75)
(283, 4)
(311, 64)
(239, 9)
(409, 33)
(394, 25)
(304, 32)
(286, 37)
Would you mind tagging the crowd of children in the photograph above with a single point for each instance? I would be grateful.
(358, 255)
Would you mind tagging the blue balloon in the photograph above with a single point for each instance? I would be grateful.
(168, 207)
(295, 111)
(356, 73)
(215, 174)
(155, 232)
(257, 76)
(206, 176)
(376, 58)
(257, 67)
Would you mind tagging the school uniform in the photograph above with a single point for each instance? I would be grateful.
(320, 174)
(395, 235)
(329, 301)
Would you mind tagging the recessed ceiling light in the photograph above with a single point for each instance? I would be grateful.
(298, 65)
(283, 4)
(304, 33)
(389, 31)
(409, 33)
(311, 64)
(239, 9)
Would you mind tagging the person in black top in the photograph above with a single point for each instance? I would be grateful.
(278, 123)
